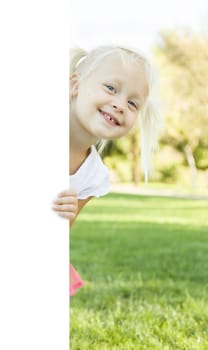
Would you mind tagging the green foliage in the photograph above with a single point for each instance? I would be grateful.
(167, 164)
(144, 262)
(168, 173)
(201, 156)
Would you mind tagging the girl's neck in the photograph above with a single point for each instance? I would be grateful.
(76, 160)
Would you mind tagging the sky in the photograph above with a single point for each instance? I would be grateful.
(133, 23)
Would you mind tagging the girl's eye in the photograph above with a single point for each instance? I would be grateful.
(133, 104)
(110, 88)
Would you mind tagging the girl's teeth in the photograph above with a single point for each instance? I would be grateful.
(109, 118)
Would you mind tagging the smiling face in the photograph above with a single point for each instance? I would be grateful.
(106, 103)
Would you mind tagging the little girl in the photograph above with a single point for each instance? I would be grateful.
(110, 89)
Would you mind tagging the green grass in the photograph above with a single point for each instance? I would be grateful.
(145, 265)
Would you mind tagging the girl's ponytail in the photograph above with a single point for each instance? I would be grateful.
(150, 127)
(75, 56)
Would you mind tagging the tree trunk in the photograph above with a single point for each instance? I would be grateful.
(192, 165)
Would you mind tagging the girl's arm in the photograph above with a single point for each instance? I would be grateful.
(68, 206)
(81, 204)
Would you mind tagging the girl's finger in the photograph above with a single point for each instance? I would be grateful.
(66, 208)
(65, 200)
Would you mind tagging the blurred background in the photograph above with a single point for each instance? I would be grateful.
(174, 36)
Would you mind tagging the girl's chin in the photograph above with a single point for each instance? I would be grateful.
(108, 133)
(110, 137)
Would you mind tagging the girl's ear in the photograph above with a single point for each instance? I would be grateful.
(74, 82)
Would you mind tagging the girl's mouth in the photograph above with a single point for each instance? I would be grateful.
(111, 119)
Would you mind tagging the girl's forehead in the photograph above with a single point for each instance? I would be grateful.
(119, 69)
(117, 63)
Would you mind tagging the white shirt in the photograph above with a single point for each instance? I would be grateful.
(92, 178)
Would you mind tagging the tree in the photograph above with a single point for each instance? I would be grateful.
(183, 61)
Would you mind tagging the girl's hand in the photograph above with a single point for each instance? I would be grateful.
(66, 204)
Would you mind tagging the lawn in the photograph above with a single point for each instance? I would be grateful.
(145, 265)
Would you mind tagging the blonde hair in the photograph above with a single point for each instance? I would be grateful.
(84, 63)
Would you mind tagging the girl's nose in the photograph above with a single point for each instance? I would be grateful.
(119, 108)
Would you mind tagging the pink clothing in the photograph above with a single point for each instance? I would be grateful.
(75, 280)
